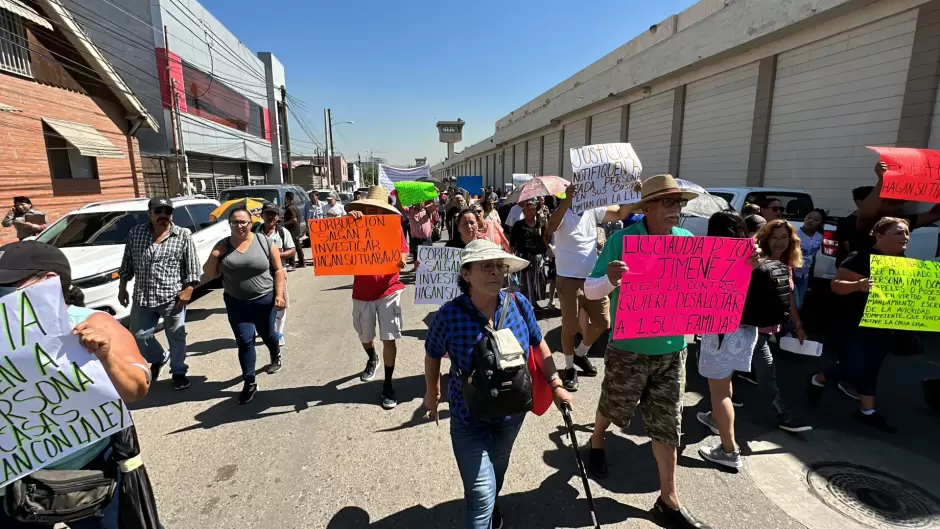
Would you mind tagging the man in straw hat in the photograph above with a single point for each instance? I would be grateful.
(575, 248)
(645, 371)
(378, 299)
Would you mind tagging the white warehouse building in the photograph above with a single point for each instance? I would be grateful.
(758, 93)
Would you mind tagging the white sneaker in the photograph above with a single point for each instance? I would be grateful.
(281, 340)
(848, 390)
(709, 421)
(717, 455)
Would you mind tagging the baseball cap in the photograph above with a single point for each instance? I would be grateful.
(20, 260)
(159, 202)
(268, 206)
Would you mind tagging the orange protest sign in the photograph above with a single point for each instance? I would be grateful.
(344, 246)
(913, 174)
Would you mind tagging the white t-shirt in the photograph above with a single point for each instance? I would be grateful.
(576, 243)
(336, 211)
(515, 215)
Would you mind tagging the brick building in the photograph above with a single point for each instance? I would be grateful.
(67, 119)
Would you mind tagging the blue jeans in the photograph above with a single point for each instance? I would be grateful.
(143, 324)
(762, 364)
(246, 317)
(800, 286)
(482, 452)
(861, 351)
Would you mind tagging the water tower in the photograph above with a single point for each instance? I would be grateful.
(450, 133)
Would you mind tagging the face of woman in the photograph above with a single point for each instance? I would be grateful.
(812, 221)
(240, 223)
(772, 211)
(529, 211)
(485, 277)
(779, 242)
(894, 241)
(467, 226)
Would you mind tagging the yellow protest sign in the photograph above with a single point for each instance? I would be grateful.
(905, 294)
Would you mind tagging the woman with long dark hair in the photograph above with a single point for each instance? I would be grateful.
(526, 240)
(464, 229)
(253, 283)
(862, 350)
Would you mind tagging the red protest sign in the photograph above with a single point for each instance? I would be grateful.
(913, 174)
(682, 285)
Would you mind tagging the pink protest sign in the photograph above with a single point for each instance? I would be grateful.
(682, 285)
(913, 174)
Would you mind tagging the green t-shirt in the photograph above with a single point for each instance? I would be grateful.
(613, 251)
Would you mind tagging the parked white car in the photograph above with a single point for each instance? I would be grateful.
(93, 238)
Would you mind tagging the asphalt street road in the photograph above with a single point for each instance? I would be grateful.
(315, 450)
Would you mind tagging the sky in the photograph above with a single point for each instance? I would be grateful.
(396, 68)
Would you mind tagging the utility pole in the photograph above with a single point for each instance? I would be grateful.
(329, 114)
(172, 103)
(290, 166)
(359, 165)
(326, 149)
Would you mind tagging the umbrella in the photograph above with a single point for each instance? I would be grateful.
(540, 186)
(705, 205)
(253, 205)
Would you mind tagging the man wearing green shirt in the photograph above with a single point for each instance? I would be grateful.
(649, 372)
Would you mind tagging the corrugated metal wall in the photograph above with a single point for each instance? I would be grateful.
(831, 99)
(532, 166)
(605, 127)
(651, 132)
(716, 131)
(519, 166)
(550, 160)
(574, 138)
(498, 168)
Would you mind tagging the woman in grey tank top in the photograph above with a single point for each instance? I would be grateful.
(253, 285)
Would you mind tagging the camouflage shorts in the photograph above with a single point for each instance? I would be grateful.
(655, 382)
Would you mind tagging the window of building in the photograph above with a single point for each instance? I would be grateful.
(65, 161)
(14, 50)
(209, 98)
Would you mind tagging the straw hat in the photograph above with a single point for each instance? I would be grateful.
(484, 250)
(377, 196)
(660, 186)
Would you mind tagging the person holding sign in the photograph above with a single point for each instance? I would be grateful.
(874, 208)
(20, 217)
(253, 281)
(30, 266)
(483, 429)
(649, 372)
(489, 230)
(862, 350)
(377, 299)
(575, 249)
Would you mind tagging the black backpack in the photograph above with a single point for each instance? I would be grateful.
(499, 383)
(768, 297)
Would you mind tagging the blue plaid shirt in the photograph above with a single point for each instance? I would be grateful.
(455, 332)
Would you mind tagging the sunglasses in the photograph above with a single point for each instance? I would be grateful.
(489, 267)
(673, 202)
(163, 211)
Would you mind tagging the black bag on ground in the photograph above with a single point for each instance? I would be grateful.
(499, 383)
(768, 296)
(49, 497)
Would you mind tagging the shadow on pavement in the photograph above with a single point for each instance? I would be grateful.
(162, 392)
(210, 346)
(554, 504)
(341, 287)
(194, 315)
(228, 411)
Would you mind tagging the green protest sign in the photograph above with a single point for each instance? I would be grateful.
(411, 193)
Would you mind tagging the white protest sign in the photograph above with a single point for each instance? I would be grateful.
(520, 178)
(438, 271)
(604, 175)
(55, 396)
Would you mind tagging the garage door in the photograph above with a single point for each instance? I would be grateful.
(831, 99)
(550, 158)
(256, 173)
(535, 153)
(574, 138)
(498, 168)
(651, 132)
(605, 127)
(519, 166)
(716, 129)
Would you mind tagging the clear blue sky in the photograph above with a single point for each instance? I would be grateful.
(396, 68)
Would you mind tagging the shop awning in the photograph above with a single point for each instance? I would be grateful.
(8, 108)
(85, 138)
(19, 8)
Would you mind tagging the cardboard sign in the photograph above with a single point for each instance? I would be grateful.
(682, 285)
(604, 175)
(346, 246)
(905, 294)
(913, 174)
(438, 272)
(55, 396)
(410, 193)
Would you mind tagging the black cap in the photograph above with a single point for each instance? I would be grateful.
(159, 202)
(268, 206)
(20, 260)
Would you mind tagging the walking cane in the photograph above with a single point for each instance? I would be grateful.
(566, 413)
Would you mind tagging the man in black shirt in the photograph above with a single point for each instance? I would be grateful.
(849, 237)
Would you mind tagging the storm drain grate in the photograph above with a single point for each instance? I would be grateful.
(873, 498)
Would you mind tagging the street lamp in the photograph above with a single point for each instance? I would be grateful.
(330, 154)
